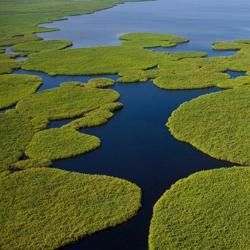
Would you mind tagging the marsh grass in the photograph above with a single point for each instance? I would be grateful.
(91, 61)
(8, 65)
(207, 210)
(16, 132)
(96, 117)
(150, 40)
(48, 208)
(40, 45)
(100, 83)
(65, 102)
(217, 124)
(60, 143)
(14, 87)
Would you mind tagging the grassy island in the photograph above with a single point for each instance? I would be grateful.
(65, 102)
(207, 210)
(40, 45)
(59, 143)
(151, 40)
(217, 124)
(48, 208)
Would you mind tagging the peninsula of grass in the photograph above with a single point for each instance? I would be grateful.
(217, 124)
(37, 46)
(207, 210)
(16, 132)
(49, 208)
(14, 87)
(100, 83)
(96, 117)
(150, 40)
(65, 102)
(8, 65)
(181, 55)
(60, 143)
(91, 61)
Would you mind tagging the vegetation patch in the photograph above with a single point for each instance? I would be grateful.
(14, 87)
(37, 46)
(16, 132)
(150, 40)
(190, 73)
(100, 83)
(217, 124)
(59, 143)
(91, 61)
(64, 102)
(207, 210)
(48, 208)
(181, 55)
(8, 65)
(96, 117)
(131, 76)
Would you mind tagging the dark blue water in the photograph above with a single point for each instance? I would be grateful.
(136, 145)
(55, 81)
(191, 47)
(235, 74)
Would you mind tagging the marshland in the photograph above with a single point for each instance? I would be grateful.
(124, 125)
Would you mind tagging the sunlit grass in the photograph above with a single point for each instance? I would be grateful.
(48, 208)
(207, 210)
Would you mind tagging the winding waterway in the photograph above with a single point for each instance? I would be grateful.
(136, 145)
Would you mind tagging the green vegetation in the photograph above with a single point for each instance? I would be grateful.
(93, 106)
(48, 208)
(15, 87)
(65, 102)
(131, 76)
(227, 46)
(31, 163)
(190, 78)
(150, 40)
(100, 83)
(7, 56)
(181, 55)
(95, 118)
(207, 210)
(59, 143)
(37, 46)
(15, 132)
(91, 61)
(8, 65)
(217, 124)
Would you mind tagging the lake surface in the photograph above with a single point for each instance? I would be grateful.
(136, 145)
